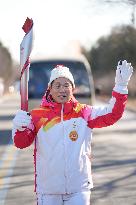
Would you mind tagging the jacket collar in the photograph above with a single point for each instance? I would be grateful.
(68, 106)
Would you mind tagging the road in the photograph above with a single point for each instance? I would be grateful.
(113, 162)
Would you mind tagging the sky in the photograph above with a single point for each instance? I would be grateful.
(58, 23)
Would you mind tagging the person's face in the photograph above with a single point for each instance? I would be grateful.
(61, 90)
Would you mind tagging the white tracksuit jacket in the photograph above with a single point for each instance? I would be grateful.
(62, 135)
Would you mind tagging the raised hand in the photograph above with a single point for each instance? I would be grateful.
(123, 74)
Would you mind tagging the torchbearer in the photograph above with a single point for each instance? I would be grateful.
(62, 130)
(25, 50)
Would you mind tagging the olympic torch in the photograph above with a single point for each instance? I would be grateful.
(25, 51)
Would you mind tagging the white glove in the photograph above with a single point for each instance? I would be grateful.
(123, 75)
(22, 120)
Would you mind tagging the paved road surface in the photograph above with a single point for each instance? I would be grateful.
(114, 162)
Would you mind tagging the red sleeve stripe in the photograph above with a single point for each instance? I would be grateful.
(112, 117)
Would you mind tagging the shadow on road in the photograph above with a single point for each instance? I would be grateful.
(114, 168)
(117, 189)
(5, 137)
(6, 117)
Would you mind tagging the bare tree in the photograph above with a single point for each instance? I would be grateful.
(5, 64)
(131, 3)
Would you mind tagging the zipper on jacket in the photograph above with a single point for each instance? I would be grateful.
(62, 120)
(62, 110)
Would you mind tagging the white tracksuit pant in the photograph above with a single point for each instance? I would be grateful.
(80, 198)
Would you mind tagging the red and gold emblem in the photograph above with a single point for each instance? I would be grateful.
(73, 135)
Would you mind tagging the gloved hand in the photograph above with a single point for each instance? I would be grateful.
(22, 120)
(123, 75)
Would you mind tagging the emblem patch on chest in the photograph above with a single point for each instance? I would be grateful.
(73, 135)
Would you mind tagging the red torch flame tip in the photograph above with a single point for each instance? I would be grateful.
(27, 25)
